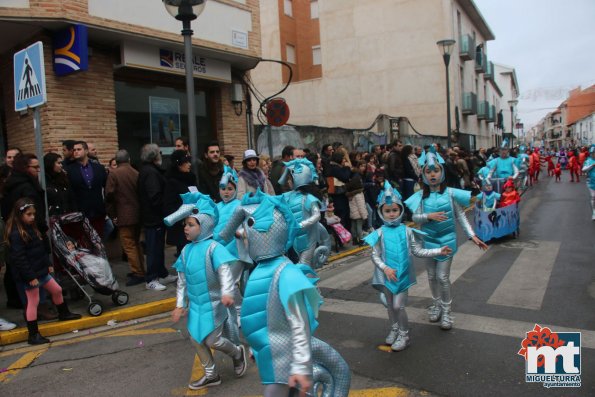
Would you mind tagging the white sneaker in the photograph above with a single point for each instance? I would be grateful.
(156, 285)
(6, 325)
(169, 279)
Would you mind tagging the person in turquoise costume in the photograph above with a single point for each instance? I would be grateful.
(435, 208)
(522, 164)
(504, 167)
(488, 198)
(305, 206)
(205, 288)
(281, 304)
(589, 169)
(392, 244)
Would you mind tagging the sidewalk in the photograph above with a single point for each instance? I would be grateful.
(142, 302)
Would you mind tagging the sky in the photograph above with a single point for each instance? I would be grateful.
(551, 45)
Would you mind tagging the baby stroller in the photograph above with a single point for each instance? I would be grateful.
(73, 229)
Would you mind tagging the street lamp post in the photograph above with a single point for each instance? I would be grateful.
(446, 47)
(512, 104)
(187, 11)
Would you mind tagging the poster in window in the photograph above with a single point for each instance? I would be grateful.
(165, 122)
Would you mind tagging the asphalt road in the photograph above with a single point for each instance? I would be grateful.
(545, 277)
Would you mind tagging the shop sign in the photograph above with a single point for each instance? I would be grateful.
(168, 60)
(71, 50)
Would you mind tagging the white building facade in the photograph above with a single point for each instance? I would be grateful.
(381, 58)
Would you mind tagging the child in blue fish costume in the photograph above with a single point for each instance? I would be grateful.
(488, 198)
(435, 208)
(281, 304)
(306, 209)
(392, 245)
(205, 287)
(589, 169)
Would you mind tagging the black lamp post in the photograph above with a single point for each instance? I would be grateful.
(187, 11)
(512, 104)
(446, 47)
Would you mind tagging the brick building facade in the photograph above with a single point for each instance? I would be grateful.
(112, 103)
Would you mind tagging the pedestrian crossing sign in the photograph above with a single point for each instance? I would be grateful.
(29, 77)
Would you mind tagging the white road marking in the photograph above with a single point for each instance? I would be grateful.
(525, 283)
(467, 322)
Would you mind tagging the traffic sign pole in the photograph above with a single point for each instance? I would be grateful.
(39, 154)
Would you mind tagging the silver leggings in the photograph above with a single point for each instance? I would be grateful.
(214, 340)
(592, 191)
(439, 278)
(395, 305)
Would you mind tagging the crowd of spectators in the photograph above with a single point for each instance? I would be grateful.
(135, 199)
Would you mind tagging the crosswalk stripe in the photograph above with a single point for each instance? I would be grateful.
(467, 255)
(526, 281)
(467, 322)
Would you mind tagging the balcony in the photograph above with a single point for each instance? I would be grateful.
(469, 103)
(482, 110)
(489, 71)
(467, 47)
(481, 60)
(491, 114)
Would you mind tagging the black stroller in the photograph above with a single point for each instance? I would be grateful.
(83, 258)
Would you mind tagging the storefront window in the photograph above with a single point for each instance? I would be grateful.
(157, 114)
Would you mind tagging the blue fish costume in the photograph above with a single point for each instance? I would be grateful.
(589, 169)
(281, 304)
(392, 244)
(439, 198)
(306, 209)
(204, 277)
(504, 167)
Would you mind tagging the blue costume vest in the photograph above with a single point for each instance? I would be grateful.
(301, 206)
(442, 233)
(490, 201)
(225, 212)
(521, 159)
(591, 174)
(200, 261)
(504, 167)
(396, 256)
(264, 315)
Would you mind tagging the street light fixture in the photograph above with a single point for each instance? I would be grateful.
(512, 103)
(446, 47)
(187, 11)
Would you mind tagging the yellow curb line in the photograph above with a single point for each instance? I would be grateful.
(124, 314)
(90, 336)
(63, 327)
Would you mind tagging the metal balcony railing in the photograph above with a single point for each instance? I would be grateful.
(469, 105)
(467, 47)
(482, 110)
(481, 59)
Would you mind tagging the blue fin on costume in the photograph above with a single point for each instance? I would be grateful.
(372, 238)
(417, 231)
(293, 281)
(414, 201)
(308, 272)
(461, 197)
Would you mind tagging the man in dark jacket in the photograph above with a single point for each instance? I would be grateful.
(211, 171)
(87, 180)
(121, 197)
(151, 188)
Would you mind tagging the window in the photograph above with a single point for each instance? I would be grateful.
(288, 7)
(316, 55)
(290, 53)
(314, 9)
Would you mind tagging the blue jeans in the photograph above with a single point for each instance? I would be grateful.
(155, 252)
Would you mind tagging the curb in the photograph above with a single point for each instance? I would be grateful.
(130, 313)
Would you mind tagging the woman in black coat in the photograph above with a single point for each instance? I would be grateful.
(60, 196)
(340, 173)
(179, 178)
